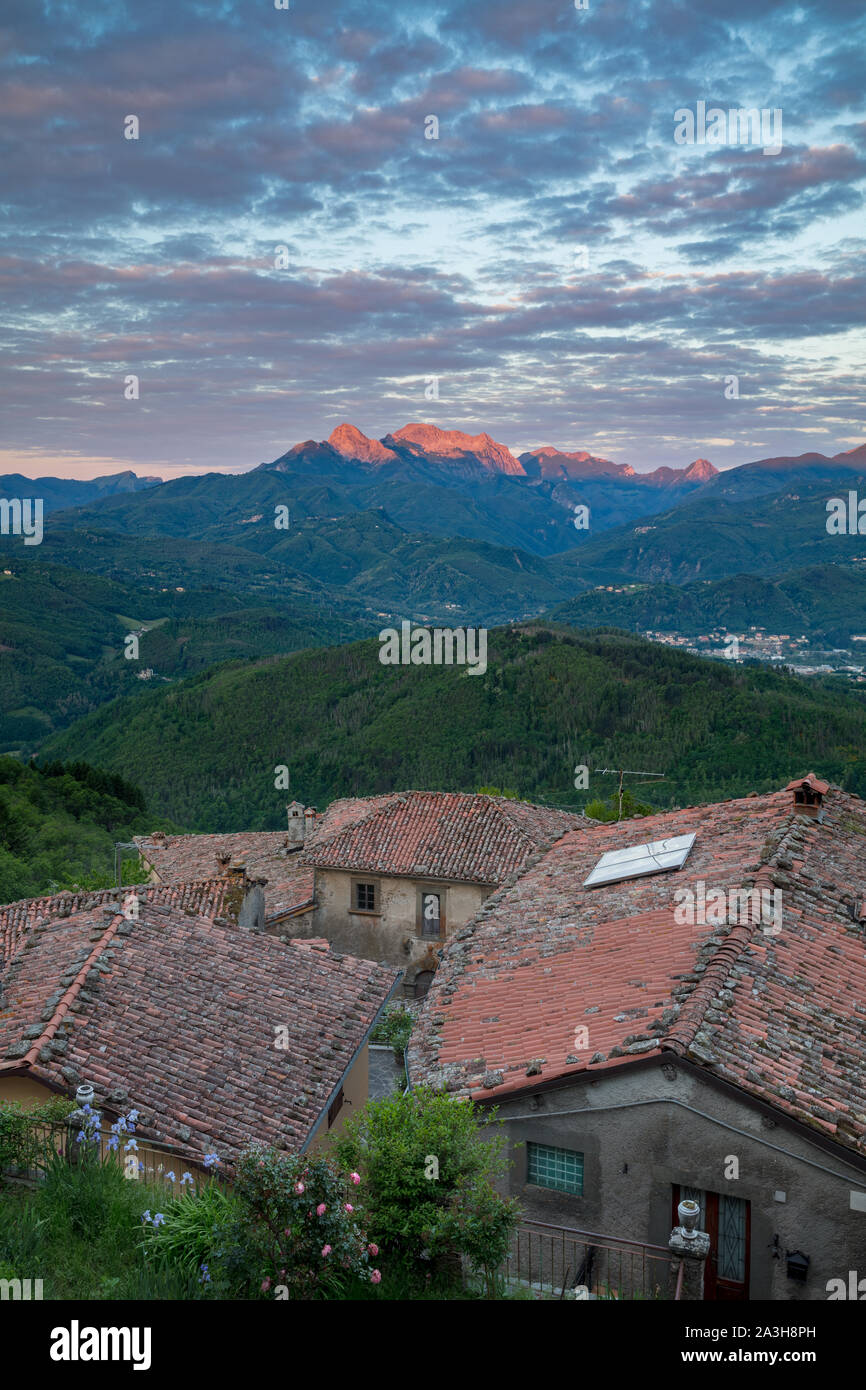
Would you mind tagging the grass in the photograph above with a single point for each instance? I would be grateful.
(80, 1231)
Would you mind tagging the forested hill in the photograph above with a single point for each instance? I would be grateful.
(205, 751)
(59, 825)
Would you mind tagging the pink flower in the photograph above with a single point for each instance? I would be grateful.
(321, 1209)
(266, 1284)
(349, 1207)
(373, 1249)
(356, 1178)
(326, 1250)
(375, 1277)
(299, 1187)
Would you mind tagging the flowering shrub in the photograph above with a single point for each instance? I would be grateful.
(429, 1176)
(312, 1235)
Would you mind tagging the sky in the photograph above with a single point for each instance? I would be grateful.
(286, 246)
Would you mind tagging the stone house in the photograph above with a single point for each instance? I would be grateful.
(396, 876)
(675, 1007)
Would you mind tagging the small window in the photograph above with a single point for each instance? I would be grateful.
(431, 915)
(364, 895)
(560, 1169)
(335, 1107)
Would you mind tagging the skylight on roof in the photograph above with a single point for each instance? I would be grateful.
(659, 856)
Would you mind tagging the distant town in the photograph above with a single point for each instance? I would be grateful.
(801, 654)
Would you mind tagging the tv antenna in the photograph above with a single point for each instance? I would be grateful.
(622, 772)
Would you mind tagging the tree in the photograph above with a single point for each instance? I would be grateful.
(609, 810)
(429, 1178)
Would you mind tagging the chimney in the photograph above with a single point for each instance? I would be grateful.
(297, 818)
(809, 793)
(244, 899)
(223, 859)
(309, 822)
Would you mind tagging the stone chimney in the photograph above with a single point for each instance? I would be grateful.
(244, 901)
(309, 822)
(297, 821)
(809, 793)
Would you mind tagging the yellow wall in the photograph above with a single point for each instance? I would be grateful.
(356, 1091)
(23, 1089)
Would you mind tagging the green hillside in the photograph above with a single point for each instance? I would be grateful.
(714, 538)
(204, 751)
(59, 825)
(824, 601)
(62, 632)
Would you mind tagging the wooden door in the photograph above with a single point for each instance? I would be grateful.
(727, 1221)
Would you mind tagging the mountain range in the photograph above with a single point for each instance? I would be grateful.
(430, 524)
(459, 455)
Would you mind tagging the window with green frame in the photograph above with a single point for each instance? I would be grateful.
(560, 1169)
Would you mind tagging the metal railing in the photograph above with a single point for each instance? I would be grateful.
(40, 1140)
(560, 1261)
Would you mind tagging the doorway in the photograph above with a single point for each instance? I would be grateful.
(728, 1222)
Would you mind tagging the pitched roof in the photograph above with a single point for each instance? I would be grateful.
(444, 835)
(16, 919)
(178, 1015)
(780, 1014)
(180, 858)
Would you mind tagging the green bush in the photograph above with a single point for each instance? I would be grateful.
(26, 1133)
(429, 1179)
(394, 1028)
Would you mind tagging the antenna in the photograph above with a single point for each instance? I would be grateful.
(628, 772)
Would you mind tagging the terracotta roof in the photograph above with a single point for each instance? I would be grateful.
(444, 835)
(783, 1016)
(348, 810)
(180, 858)
(809, 781)
(176, 1015)
(16, 919)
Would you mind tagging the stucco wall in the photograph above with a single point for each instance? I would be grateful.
(24, 1089)
(382, 937)
(633, 1156)
(356, 1089)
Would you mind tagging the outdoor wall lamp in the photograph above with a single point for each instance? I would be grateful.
(798, 1265)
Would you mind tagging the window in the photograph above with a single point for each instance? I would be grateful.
(335, 1107)
(659, 856)
(364, 897)
(431, 915)
(560, 1169)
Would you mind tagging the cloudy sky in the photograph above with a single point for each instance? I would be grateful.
(567, 271)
